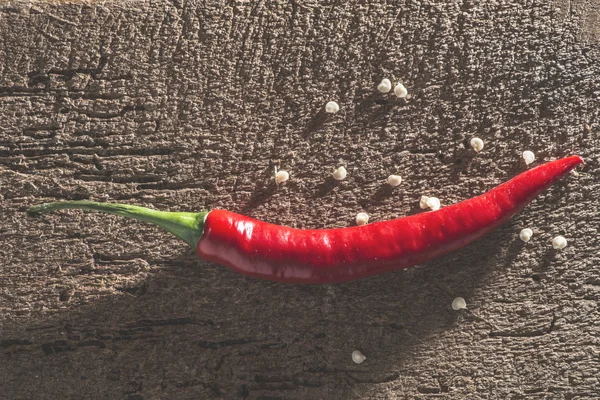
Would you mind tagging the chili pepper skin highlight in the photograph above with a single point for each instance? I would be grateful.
(290, 255)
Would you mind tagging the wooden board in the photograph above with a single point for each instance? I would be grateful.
(184, 105)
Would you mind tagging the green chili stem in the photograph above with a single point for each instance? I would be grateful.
(187, 226)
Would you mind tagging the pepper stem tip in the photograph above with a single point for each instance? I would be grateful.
(188, 226)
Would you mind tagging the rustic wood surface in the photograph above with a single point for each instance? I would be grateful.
(184, 105)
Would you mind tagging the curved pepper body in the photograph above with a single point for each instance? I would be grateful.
(277, 253)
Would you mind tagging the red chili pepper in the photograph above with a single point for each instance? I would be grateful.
(278, 253)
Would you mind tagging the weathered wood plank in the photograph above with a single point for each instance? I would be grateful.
(185, 105)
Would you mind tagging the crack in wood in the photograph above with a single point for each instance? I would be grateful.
(532, 333)
(14, 342)
(206, 344)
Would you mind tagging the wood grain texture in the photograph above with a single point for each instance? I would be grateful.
(185, 105)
